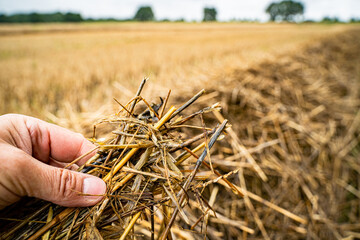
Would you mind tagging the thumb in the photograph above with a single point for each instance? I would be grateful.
(57, 185)
(68, 188)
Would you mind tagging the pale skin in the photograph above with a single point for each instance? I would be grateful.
(33, 154)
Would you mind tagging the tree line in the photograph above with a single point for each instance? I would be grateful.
(286, 10)
(41, 17)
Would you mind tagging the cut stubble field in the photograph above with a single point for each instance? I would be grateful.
(57, 68)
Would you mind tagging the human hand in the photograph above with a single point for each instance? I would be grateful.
(32, 156)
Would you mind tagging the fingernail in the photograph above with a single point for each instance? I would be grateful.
(94, 186)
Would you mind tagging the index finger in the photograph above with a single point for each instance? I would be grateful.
(51, 141)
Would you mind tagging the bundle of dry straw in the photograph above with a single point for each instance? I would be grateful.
(144, 163)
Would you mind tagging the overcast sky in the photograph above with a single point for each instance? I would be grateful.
(175, 9)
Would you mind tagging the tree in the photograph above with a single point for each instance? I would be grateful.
(35, 18)
(72, 17)
(53, 17)
(330, 20)
(3, 18)
(209, 14)
(144, 13)
(286, 10)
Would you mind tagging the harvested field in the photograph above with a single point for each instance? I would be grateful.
(60, 68)
(293, 148)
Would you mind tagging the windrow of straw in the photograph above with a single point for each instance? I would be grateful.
(295, 140)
